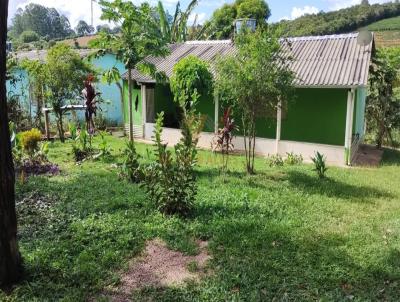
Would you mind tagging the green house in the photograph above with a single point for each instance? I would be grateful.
(327, 115)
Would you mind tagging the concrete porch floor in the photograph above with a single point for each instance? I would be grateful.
(368, 156)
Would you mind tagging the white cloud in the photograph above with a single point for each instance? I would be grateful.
(306, 10)
(301, 11)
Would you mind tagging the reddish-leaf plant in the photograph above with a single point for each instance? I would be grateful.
(90, 94)
(223, 139)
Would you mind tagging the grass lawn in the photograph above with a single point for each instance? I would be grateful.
(279, 235)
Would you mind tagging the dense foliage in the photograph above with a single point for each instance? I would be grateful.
(190, 80)
(46, 22)
(383, 102)
(30, 141)
(65, 74)
(83, 28)
(341, 21)
(255, 82)
(220, 26)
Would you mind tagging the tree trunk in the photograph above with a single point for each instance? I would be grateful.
(130, 104)
(10, 259)
(121, 92)
(60, 126)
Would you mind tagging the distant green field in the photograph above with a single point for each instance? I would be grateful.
(386, 24)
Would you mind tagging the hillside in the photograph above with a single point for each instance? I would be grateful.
(380, 17)
(387, 32)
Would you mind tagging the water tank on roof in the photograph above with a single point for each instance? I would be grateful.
(249, 24)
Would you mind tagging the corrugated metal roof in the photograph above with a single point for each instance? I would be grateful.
(330, 61)
(319, 61)
(205, 50)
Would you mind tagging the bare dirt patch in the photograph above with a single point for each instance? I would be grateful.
(368, 156)
(159, 267)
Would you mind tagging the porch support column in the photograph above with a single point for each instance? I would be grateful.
(216, 113)
(144, 107)
(349, 126)
(278, 126)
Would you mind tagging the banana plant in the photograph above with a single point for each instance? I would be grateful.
(177, 30)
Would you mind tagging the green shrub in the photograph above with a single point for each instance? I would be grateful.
(171, 184)
(73, 130)
(30, 141)
(104, 146)
(293, 159)
(82, 147)
(275, 160)
(320, 164)
(29, 36)
(131, 168)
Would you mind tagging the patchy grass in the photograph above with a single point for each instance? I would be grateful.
(281, 234)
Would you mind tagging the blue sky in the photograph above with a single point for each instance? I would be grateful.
(76, 10)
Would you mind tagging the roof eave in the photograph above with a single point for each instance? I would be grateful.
(332, 86)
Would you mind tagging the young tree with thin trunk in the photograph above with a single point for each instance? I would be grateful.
(65, 74)
(10, 259)
(140, 36)
(255, 81)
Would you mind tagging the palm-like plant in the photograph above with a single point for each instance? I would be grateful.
(139, 37)
(177, 30)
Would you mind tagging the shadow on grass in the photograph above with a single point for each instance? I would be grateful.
(257, 261)
(391, 157)
(334, 188)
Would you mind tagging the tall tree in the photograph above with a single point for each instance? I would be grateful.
(46, 22)
(220, 26)
(83, 28)
(255, 82)
(10, 259)
(139, 37)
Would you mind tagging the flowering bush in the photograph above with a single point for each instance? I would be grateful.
(30, 141)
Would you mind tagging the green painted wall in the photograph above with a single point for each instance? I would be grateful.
(137, 115)
(316, 116)
(359, 112)
(206, 107)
